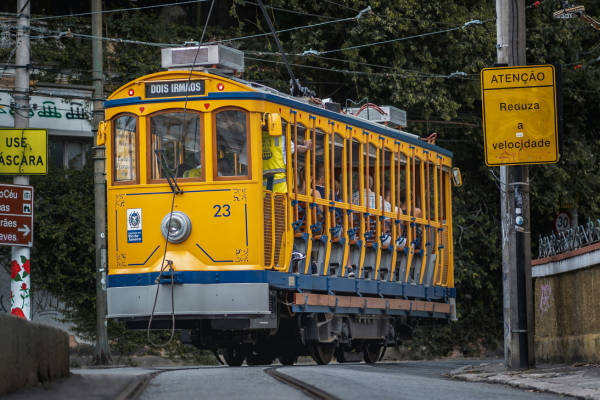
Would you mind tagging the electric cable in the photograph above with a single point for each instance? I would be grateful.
(110, 11)
(177, 164)
(382, 74)
(400, 39)
(284, 30)
(255, 53)
(293, 12)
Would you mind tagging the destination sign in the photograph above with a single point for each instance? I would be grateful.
(23, 151)
(520, 115)
(16, 215)
(175, 89)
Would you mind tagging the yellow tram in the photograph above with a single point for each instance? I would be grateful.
(338, 254)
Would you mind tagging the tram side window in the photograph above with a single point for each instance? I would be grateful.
(401, 182)
(299, 169)
(180, 142)
(339, 185)
(125, 142)
(231, 144)
(386, 181)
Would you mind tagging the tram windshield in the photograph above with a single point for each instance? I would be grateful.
(180, 142)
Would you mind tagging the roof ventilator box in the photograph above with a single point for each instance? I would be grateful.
(393, 117)
(221, 58)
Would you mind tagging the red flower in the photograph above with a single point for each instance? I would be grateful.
(26, 267)
(24, 286)
(14, 269)
(18, 312)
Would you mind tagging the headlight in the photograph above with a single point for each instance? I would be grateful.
(179, 229)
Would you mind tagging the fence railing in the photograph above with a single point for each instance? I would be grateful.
(570, 240)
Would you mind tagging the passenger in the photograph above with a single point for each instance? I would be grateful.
(301, 182)
(193, 172)
(356, 198)
(403, 205)
(337, 190)
(223, 167)
(387, 198)
(302, 188)
(183, 168)
(274, 159)
(320, 179)
(387, 222)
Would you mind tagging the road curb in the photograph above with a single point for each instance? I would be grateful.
(532, 381)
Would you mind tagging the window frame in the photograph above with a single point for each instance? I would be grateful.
(215, 174)
(113, 124)
(150, 153)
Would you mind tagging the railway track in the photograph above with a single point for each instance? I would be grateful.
(137, 386)
(309, 390)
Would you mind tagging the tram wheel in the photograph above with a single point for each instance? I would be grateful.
(371, 353)
(288, 359)
(234, 355)
(322, 354)
(262, 358)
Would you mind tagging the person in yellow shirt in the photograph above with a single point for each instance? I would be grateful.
(274, 160)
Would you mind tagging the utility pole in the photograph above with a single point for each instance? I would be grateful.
(22, 122)
(102, 354)
(519, 350)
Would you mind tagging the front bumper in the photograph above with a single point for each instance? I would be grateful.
(189, 299)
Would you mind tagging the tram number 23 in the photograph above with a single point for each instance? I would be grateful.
(222, 211)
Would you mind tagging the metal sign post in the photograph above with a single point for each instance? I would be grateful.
(19, 254)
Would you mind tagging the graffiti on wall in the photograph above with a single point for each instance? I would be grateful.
(545, 297)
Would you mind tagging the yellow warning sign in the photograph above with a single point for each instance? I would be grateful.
(520, 121)
(23, 151)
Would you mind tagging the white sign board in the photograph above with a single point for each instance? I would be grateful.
(60, 116)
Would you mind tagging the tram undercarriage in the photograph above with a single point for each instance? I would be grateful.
(286, 335)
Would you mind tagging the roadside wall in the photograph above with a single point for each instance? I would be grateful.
(567, 310)
(30, 353)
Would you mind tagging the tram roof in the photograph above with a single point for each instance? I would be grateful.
(257, 91)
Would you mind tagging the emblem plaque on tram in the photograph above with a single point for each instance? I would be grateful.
(522, 114)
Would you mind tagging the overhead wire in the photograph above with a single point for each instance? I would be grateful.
(283, 30)
(259, 53)
(384, 74)
(400, 39)
(109, 11)
(293, 12)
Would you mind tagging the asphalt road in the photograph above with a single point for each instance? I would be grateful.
(420, 380)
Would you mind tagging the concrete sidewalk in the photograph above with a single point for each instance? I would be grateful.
(579, 380)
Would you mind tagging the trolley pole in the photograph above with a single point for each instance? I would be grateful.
(22, 122)
(102, 354)
(519, 350)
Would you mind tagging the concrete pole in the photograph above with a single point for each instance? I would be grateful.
(21, 285)
(516, 245)
(102, 354)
